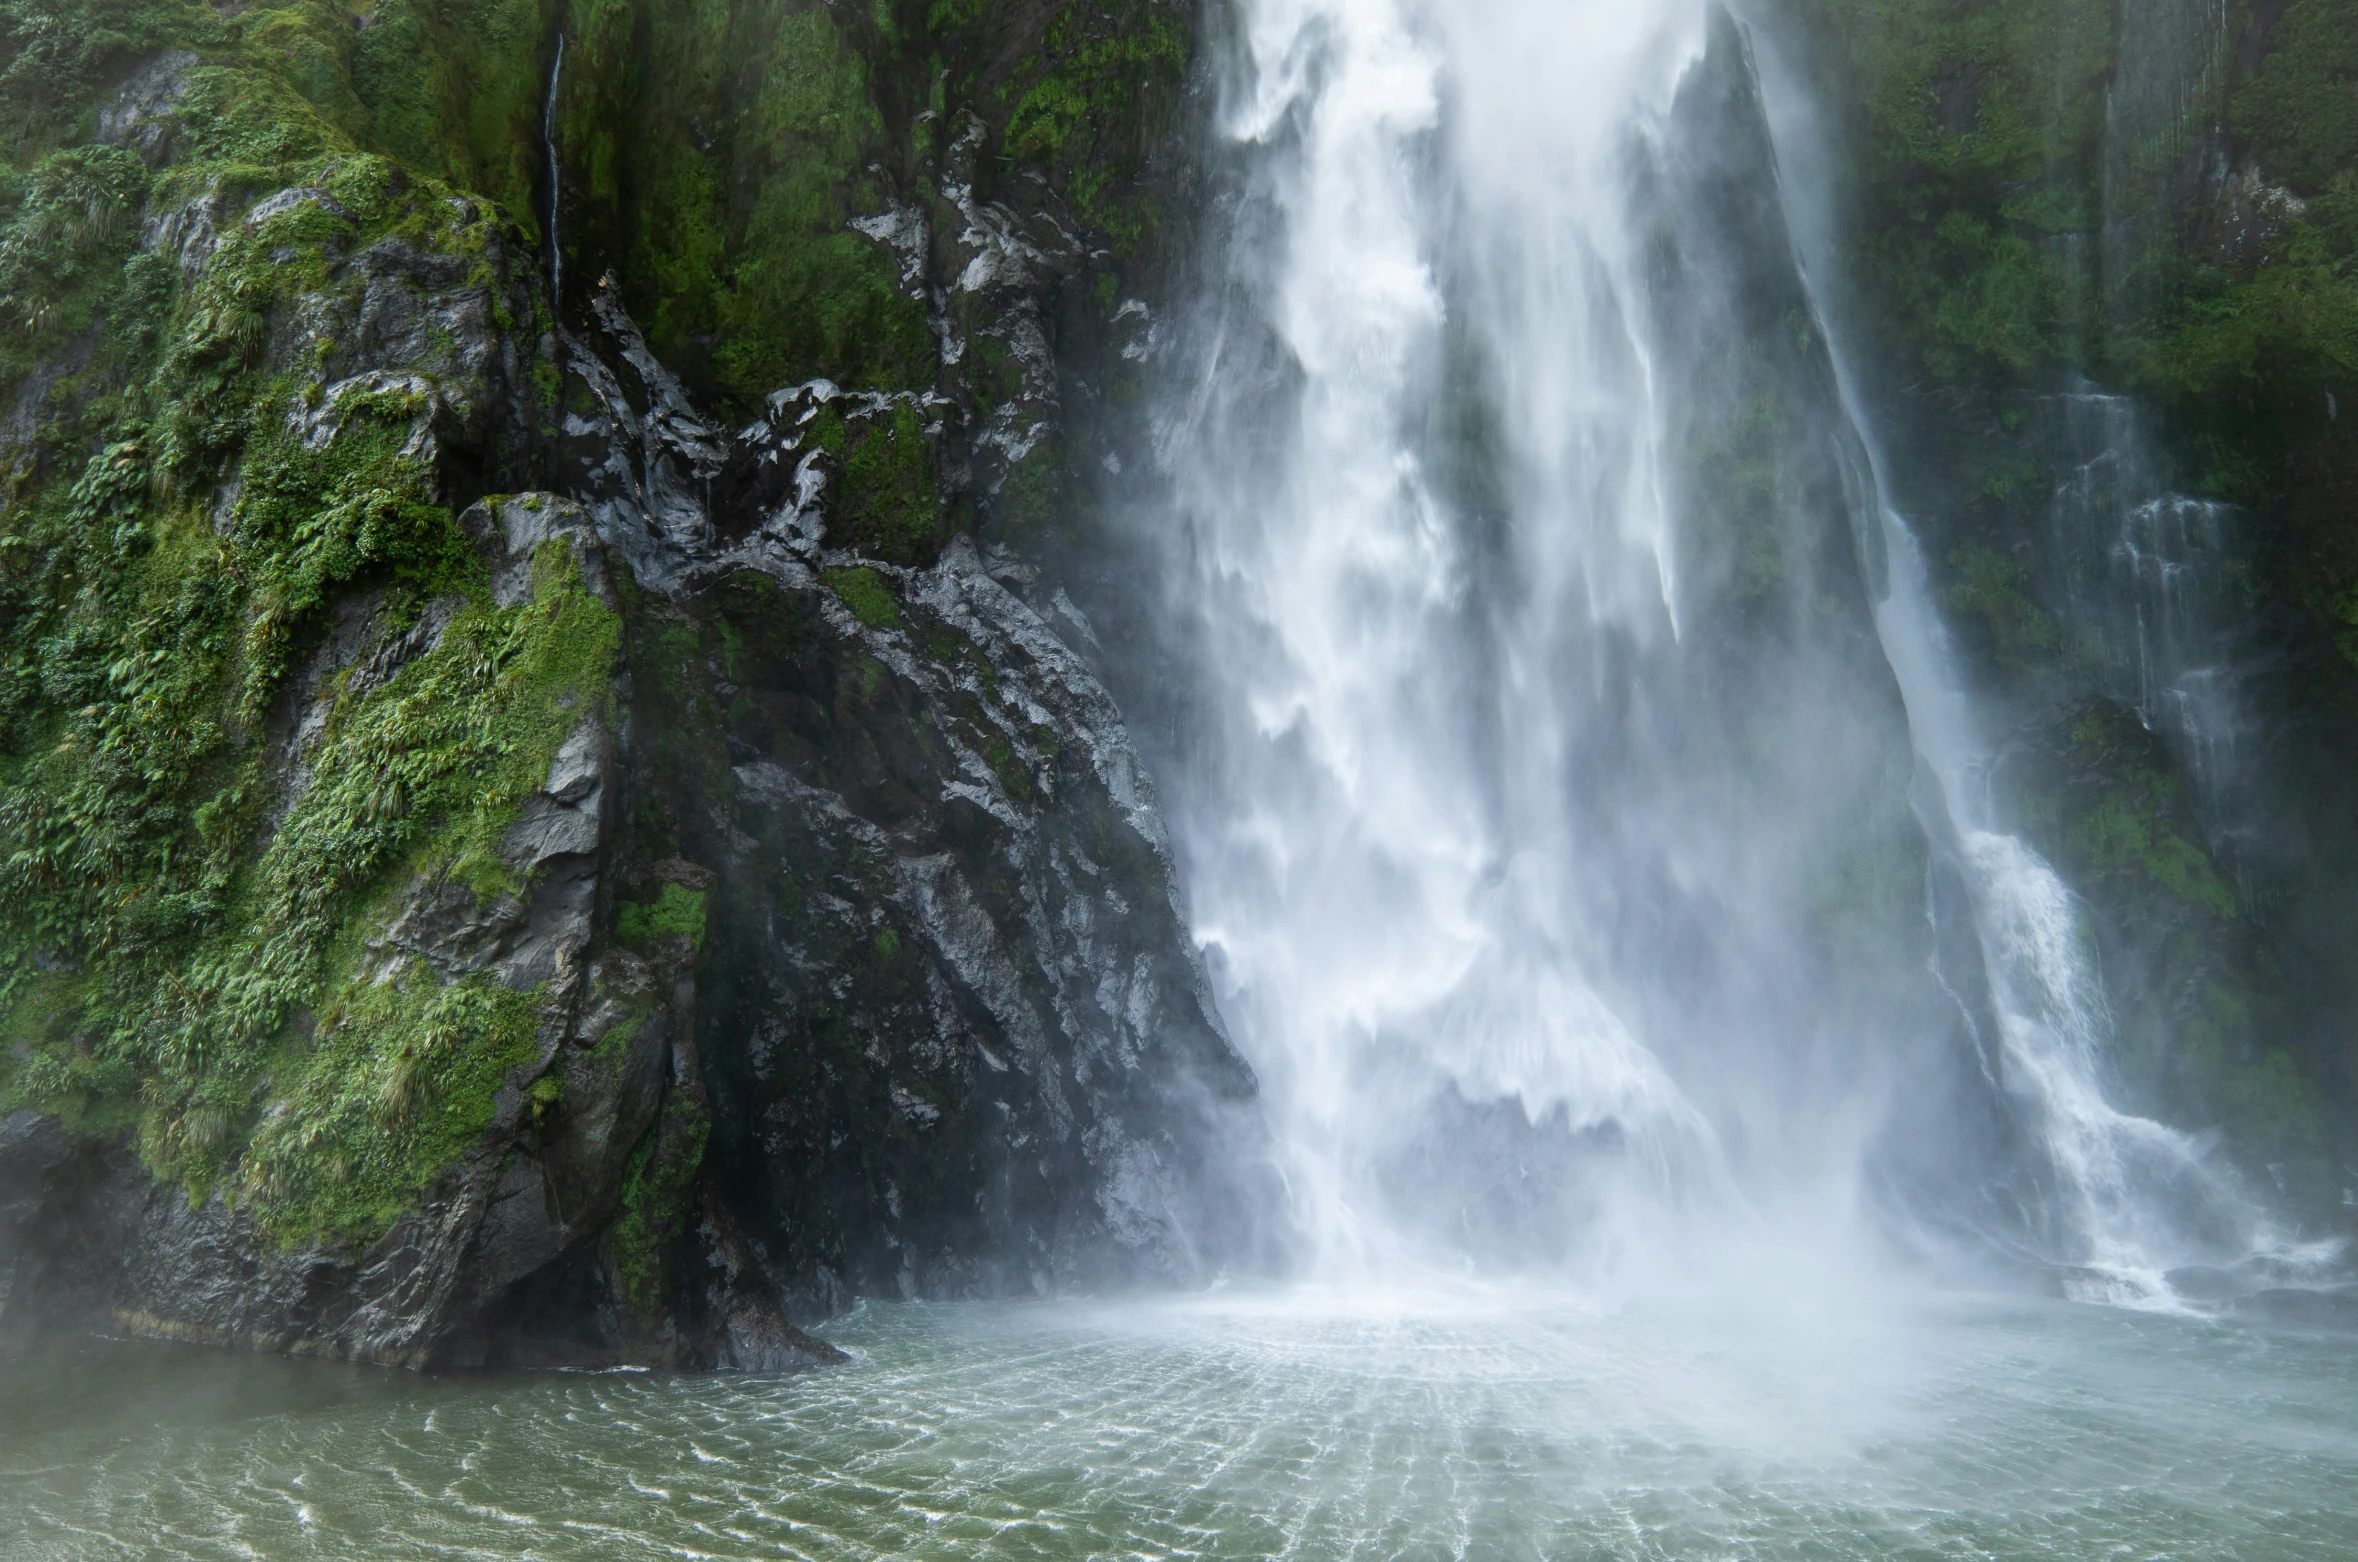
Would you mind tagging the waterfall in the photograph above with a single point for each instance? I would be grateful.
(2173, 58)
(2132, 1198)
(1381, 863)
(548, 136)
(1503, 830)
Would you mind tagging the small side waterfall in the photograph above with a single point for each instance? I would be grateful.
(2173, 60)
(2131, 1198)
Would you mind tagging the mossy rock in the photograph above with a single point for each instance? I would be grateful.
(889, 506)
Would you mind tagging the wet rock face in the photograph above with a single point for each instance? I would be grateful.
(86, 1226)
(955, 1035)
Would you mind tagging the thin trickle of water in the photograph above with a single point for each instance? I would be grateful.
(2149, 595)
(2173, 56)
(548, 136)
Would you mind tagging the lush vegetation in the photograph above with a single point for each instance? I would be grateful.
(718, 153)
(2017, 226)
(185, 904)
(1984, 129)
(211, 806)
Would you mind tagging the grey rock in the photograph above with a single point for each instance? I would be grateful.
(550, 828)
(281, 202)
(190, 231)
(642, 474)
(981, 1014)
(143, 115)
(795, 480)
(33, 1148)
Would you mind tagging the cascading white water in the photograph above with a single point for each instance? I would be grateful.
(1386, 883)
(1414, 907)
(2136, 1197)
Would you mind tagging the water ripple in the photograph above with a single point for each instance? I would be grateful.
(1235, 1427)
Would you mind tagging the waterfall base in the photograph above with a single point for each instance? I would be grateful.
(1298, 1425)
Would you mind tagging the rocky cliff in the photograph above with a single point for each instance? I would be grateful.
(548, 810)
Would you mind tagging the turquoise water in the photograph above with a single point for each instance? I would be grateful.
(1310, 1426)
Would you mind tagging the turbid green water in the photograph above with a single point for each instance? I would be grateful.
(1239, 1427)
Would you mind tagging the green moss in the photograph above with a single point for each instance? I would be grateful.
(2271, 1107)
(2110, 799)
(1982, 137)
(62, 253)
(2125, 831)
(128, 843)
(1026, 502)
(1000, 755)
(1992, 588)
(658, 1188)
(58, 56)
(1086, 103)
(721, 153)
(2011, 228)
(2003, 301)
(2282, 326)
(865, 593)
(250, 118)
(46, 1061)
(327, 516)
(678, 912)
(890, 507)
(455, 88)
(400, 1081)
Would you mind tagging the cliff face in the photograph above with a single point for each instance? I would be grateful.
(2101, 268)
(545, 815)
